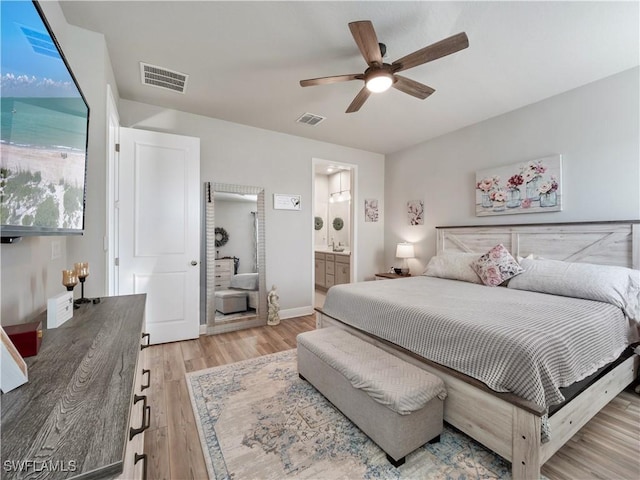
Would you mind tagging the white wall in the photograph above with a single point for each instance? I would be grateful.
(595, 127)
(321, 209)
(237, 154)
(29, 274)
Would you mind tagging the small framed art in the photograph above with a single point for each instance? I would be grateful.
(282, 201)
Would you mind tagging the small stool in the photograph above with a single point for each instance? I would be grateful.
(231, 301)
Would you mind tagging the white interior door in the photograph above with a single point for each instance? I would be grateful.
(159, 229)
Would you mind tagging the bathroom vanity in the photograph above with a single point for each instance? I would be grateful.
(332, 268)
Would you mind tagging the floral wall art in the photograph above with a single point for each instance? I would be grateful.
(527, 187)
(415, 212)
(371, 210)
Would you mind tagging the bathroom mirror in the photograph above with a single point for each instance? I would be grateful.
(332, 207)
(235, 274)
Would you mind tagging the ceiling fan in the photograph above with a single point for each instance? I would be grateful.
(380, 76)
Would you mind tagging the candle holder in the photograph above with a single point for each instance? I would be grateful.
(70, 280)
(82, 271)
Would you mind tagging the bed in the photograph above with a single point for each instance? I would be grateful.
(511, 418)
(247, 282)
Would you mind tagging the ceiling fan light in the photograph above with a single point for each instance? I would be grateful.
(379, 83)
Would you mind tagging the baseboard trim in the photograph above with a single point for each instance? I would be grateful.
(284, 314)
(296, 312)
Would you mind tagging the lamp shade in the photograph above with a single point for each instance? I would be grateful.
(405, 250)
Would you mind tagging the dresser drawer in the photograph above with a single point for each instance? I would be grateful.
(223, 265)
(223, 273)
(343, 259)
(330, 268)
(222, 278)
(330, 280)
(134, 466)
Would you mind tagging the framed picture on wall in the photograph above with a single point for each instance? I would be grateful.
(282, 201)
(371, 210)
(527, 187)
(415, 212)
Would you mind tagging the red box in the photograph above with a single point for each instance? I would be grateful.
(26, 337)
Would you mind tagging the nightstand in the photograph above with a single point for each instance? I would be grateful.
(390, 276)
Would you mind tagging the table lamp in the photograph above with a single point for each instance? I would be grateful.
(404, 251)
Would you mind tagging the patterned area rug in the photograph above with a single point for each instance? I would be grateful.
(258, 420)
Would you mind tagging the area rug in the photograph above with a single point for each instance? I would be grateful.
(258, 420)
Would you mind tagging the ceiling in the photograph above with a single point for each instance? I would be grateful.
(245, 59)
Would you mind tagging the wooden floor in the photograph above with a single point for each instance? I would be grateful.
(607, 448)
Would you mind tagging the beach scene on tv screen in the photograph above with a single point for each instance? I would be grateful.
(44, 127)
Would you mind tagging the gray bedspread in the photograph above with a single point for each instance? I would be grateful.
(530, 344)
(245, 281)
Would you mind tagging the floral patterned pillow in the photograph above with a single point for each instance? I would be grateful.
(496, 266)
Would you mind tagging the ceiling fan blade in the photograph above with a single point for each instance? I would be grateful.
(327, 80)
(437, 50)
(359, 100)
(367, 41)
(417, 89)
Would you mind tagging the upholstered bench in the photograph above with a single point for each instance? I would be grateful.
(398, 405)
(231, 301)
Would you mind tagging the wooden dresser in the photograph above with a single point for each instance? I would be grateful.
(223, 273)
(83, 412)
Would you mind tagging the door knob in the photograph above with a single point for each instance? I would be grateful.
(194, 263)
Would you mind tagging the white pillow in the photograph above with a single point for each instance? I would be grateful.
(455, 266)
(618, 286)
(531, 256)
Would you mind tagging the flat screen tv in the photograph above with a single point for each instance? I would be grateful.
(45, 122)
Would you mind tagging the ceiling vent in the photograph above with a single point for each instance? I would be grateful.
(163, 78)
(310, 119)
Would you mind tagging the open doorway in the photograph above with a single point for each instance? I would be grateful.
(334, 228)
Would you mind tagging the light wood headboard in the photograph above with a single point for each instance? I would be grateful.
(603, 243)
